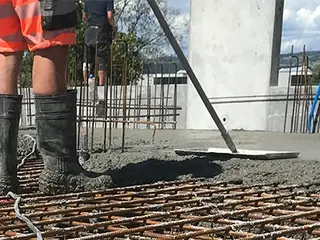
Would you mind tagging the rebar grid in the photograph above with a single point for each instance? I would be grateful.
(136, 94)
(28, 175)
(184, 209)
(299, 97)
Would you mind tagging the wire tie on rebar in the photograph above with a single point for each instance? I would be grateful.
(157, 207)
(235, 227)
(213, 206)
(22, 217)
(29, 154)
(196, 196)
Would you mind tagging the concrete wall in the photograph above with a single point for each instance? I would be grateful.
(234, 49)
(283, 78)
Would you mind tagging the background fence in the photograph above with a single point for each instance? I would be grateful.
(127, 100)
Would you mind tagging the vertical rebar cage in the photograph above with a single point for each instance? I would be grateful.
(129, 99)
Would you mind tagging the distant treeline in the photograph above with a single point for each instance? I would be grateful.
(313, 56)
(170, 64)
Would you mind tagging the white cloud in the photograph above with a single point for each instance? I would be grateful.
(301, 23)
(180, 29)
(180, 24)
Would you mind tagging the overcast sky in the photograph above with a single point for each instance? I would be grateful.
(301, 23)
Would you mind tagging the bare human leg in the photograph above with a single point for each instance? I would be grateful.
(102, 77)
(49, 71)
(9, 72)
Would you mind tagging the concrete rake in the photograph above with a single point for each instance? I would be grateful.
(232, 150)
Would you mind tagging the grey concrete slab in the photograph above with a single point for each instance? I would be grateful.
(145, 161)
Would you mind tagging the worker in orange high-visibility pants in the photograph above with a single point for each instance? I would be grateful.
(47, 28)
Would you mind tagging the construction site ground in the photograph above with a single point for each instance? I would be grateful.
(145, 161)
(160, 195)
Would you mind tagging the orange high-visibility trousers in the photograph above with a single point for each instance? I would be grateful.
(21, 28)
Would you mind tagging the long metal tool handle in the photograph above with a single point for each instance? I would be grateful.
(227, 138)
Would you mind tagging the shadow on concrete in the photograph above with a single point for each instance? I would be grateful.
(154, 170)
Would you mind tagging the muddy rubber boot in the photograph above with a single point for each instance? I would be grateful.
(10, 110)
(56, 127)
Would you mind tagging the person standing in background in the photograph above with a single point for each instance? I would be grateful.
(99, 17)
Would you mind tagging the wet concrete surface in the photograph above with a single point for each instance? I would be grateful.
(145, 161)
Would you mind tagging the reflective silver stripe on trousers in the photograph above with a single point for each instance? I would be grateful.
(57, 7)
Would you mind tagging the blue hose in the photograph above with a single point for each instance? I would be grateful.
(314, 104)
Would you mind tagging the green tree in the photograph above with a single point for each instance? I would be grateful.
(138, 29)
(126, 58)
(136, 16)
(125, 49)
(76, 51)
(25, 78)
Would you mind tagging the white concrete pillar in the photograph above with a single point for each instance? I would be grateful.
(234, 50)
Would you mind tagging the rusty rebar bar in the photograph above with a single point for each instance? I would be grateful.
(288, 92)
(125, 83)
(158, 214)
(182, 209)
(293, 128)
(110, 88)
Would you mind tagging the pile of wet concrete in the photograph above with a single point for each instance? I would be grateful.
(25, 144)
(145, 161)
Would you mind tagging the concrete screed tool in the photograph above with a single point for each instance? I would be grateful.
(232, 151)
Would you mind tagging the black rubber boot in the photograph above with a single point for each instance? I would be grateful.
(56, 126)
(10, 110)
